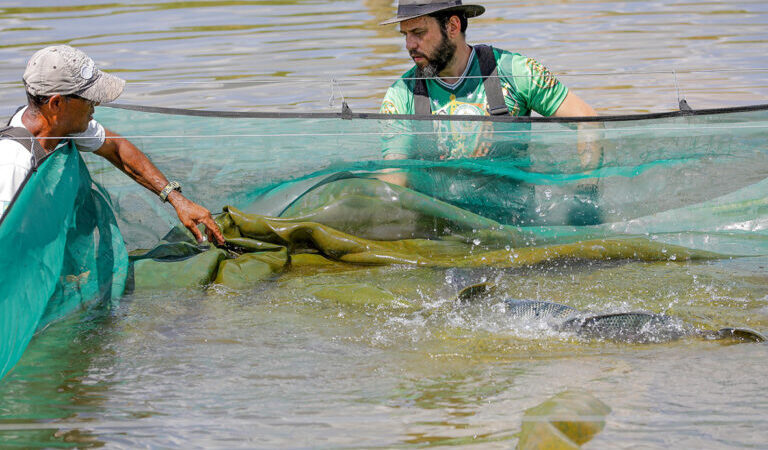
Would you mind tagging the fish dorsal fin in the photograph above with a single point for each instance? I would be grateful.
(476, 292)
(741, 334)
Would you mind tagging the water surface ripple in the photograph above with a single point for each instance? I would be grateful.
(623, 57)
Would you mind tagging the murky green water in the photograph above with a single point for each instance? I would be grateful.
(286, 365)
(278, 367)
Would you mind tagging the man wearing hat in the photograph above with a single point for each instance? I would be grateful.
(63, 86)
(434, 32)
(454, 78)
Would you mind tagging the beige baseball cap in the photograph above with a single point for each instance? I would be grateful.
(65, 70)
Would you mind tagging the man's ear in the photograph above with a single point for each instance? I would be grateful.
(454, 26)
(55, 102)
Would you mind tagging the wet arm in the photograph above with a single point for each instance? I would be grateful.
(393, 176)
(134, 163)
(589, 135)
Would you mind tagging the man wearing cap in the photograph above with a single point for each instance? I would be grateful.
(63, 86)
(451, 77)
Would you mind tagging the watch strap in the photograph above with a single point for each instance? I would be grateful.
(172, 186)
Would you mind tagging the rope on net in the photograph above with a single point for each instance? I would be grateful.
(415, 133)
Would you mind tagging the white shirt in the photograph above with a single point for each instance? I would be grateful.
(16, 161)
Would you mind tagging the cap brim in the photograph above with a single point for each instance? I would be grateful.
(106, 89)
(469, 10)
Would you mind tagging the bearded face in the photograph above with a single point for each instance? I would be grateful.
(430, 65)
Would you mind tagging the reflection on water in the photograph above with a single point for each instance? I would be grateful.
(55, 386)
(290, 364)
(267, 55)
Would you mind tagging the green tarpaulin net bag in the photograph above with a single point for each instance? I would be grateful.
(60, 250)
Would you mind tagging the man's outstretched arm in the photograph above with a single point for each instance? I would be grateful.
(393, 176)
(574, 106)
(134, 163)
(589, 146)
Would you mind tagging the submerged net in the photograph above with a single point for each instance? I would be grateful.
(468, 191)
(696, 181)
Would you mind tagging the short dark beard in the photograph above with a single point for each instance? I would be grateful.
(439, 60)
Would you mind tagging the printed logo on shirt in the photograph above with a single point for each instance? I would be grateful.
(388, 107)
(459, 139)
(541, 76)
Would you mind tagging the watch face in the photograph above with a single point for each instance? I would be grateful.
(172, 186)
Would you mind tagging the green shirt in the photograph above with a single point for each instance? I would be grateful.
(526, 85)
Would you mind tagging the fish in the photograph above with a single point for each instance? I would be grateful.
(539, 311)
(630, 327)
(627, 327)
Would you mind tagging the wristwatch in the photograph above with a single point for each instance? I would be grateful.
(172, 186)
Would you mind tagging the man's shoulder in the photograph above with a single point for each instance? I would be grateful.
(507, 59)
(498, 51)
(10, 128)
(12, 152)
(520, 69)
(513, 63)
(15, 120)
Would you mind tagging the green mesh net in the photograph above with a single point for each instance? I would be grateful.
(696, 181)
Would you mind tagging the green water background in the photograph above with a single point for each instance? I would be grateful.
(284, 366)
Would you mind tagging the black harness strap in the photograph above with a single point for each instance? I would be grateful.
(421, 104)
(490, 72)
(491, 82)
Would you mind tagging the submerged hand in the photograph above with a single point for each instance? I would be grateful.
(584, 210)
(191, 215)
(485, 141)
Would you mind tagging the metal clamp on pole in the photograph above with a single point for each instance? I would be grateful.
(346, 111)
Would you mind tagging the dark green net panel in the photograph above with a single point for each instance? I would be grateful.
(60, 250)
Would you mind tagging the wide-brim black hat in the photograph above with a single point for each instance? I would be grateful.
(410, 9)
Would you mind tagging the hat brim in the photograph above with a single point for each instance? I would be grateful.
(468, 10)
(106, 89)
